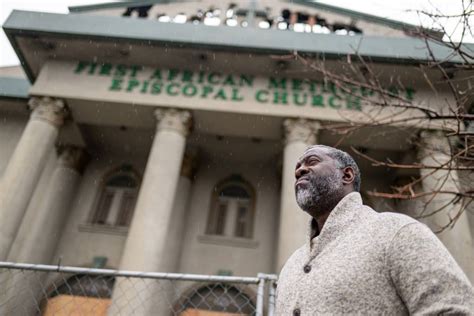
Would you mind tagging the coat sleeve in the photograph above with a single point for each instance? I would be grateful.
(425, 275)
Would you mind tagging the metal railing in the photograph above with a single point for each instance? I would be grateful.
(33, 289)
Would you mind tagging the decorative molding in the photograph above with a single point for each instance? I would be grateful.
(173, 119)
(228, 241)
(48, 109)
(301, 130)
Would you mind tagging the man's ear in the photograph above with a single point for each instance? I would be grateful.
(348, 175)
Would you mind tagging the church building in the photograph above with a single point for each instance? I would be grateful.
(163, 135)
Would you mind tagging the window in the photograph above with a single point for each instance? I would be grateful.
(80, 295)
(232, 209)
(117, 199)
(217, 299)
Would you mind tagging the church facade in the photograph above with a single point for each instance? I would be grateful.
(163, 135)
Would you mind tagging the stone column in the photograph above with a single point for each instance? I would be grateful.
(25, 166)
(176, 233)
(435, 151)
(299, 134)
(37, 243)
(146, 245)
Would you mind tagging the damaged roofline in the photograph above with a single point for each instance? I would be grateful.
(248, 40)
(308, 3)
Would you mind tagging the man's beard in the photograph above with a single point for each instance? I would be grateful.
(320, 194)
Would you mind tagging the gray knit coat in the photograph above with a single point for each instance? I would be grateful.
(370, 263)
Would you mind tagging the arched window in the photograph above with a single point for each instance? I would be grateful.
(219, 299)
(79, 295)
(232, 209)
(117, 199)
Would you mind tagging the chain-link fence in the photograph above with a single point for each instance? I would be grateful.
(27, 289)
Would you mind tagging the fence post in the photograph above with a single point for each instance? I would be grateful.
(260, 294)
(271, 297)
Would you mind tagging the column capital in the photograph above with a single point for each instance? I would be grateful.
(173, 119)
(72, 157)
(300, 130)
(48, 109)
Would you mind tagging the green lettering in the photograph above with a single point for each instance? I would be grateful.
(172, 89)
(353, 103)
(120, 70)
(275, 83)
(187, 76)
(189, 90)
(92, 68)
(296, 84)
(366, 92)
(261, 96)
(132, 84)
(105, 69)
(172, 74)
(297, 101)
(213, 78)
(410, 93)
(280, 97)
(116, 84)
(81, 66)
(248, 80)
(206, 90)
(332, 102)
(156, 74)
(329, 87)
(135, 69)
(317, 100)
(236, 95)
(201, 76)
(145, 86)
(229, 81)
(220, 95)
(156, 87)
(313, 85)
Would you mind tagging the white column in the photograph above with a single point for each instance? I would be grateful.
(435, 151)
(146, 245)
(299, 134)
(174, 245)
(26, 164)
(37, 243)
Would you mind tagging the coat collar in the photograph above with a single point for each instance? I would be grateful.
(339, 218)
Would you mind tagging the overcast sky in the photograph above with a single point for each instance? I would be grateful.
(402, 10)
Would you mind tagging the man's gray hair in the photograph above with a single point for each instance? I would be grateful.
(343, 160)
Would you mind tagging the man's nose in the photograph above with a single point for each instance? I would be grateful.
(301, 170)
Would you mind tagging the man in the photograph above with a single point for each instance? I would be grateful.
(358, 261)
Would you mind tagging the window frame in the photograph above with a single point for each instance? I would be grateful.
(229, 229)
(117, 193)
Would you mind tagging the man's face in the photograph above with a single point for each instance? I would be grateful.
(318, 181)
